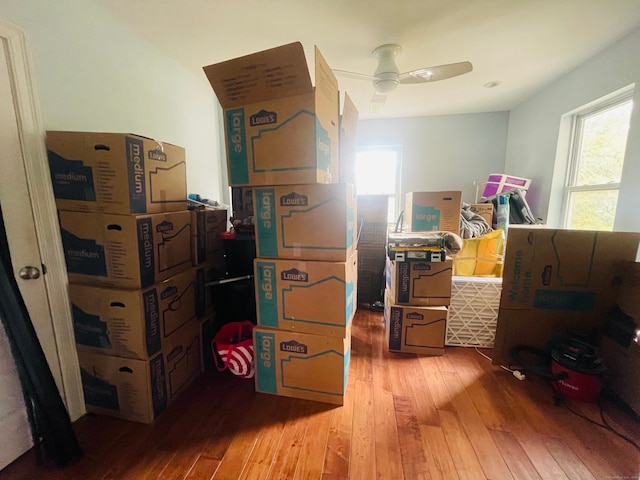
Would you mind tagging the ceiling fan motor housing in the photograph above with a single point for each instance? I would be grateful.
(387, 74)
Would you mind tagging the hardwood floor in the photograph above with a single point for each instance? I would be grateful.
(449, 417)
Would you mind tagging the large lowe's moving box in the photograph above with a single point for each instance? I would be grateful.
(555, 280)
(125, 251)
(301, 365)
(414, 329)
(433, 211)
(309, 297)
(416, 282)
(134, 323)
(116, 173)
(140, 390)
(279, 129)
(307, 222)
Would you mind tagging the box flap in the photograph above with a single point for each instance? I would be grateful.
(270, 74)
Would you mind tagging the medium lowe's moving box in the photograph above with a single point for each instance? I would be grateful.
(433, 211)
(555, 280)
(140, 390)
(125, 251)
(116, 173)
(306, 222)
(308, 297)
(206, 225)
(279, 129)
(133, 323)
(301, 365)
(416, 282)
(124, 387)
(413, 329)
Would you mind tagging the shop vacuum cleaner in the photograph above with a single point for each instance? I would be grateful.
(572, 365)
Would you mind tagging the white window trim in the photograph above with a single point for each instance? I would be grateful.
(577, 118)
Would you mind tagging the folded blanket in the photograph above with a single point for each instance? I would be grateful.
(471, 224)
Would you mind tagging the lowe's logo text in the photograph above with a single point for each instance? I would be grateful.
(263, 117)
(415, 316)
(293, 346)
(157, 155)
(294, 200)
(294, 275)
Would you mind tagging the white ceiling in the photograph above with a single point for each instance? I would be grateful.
(524, 44)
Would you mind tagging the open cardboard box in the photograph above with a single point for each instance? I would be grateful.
(279, 129)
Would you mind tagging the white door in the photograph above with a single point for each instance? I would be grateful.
(32, 235)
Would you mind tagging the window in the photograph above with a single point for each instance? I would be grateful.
(377, 172)
(599, 139)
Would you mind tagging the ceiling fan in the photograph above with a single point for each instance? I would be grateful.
(387, 76)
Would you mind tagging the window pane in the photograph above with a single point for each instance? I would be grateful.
(592, 210)
(376, 172)
(602, 146)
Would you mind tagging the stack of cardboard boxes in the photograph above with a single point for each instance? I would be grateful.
(135, 295)
(418, 291)
(282, 137)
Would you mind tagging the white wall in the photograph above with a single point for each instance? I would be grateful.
(93, 74)
(443, 152)
(534, 125)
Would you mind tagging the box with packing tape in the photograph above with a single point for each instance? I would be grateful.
(308, 297)
(140, 390)
(279, 129)
(125, 251)
(301, 365)
(306, 222)
(133, 323)
(433, 211)
(413, 329)
(206, 226)
(416, 282)
(116, 173)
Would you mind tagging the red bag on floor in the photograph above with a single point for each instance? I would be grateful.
(232, 349)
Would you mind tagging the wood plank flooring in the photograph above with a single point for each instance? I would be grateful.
(405, 417)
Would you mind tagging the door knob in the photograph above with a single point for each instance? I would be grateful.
(29, 273)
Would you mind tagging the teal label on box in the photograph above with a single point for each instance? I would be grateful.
(395, 329)
(71, 179)
(83, 255)
(158, 385)
(575, 300)
(266, 222)
(134, 148)
(425, 218)
(267, 287)
(151, 321)
(323, 147)
(237, 147)
(265, 362)
(404, 286)
(146, 251)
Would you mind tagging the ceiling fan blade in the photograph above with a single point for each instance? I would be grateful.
(359, 76)
(377, 102)
(433, 74)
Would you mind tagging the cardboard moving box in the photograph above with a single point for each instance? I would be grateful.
(416, 282)
(139, 390)
(308, 297)
(414, 329)
(125, 251)
(279, 129)
(555, 280)
(306, 222)
(301, 365)
(116, 173)
(134, 323)
(206, 226)
(433, 211)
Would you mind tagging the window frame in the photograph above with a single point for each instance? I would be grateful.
(575, 141)
(398, 180)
